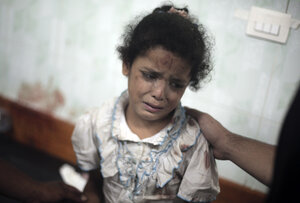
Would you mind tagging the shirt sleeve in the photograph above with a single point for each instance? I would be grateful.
(200, 181)
(84, 145)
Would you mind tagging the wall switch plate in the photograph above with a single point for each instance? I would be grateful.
(268, 24)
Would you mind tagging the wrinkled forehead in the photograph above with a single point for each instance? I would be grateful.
(166, 59)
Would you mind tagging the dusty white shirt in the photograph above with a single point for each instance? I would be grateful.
(175, 165)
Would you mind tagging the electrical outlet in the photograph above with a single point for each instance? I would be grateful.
(268, 24)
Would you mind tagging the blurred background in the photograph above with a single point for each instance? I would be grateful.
(59, 57)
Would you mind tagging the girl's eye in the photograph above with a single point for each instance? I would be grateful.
(176, 85)
(149, 76)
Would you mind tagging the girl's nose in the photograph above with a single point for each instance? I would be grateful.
(159, 90)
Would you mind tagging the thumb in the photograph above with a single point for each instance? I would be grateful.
(194, 113)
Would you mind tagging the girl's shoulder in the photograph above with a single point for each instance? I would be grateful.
(191, 135)
(191, 126)
(98, 115)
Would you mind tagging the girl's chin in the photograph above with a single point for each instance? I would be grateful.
(151, 117)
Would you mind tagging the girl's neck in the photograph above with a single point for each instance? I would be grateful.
(144, 128)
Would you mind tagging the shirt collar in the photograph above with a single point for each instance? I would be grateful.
(123, 132)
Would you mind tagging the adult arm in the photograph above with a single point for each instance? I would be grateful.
(255, 157)
(15, 184)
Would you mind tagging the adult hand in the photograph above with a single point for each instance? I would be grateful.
(251, 155)
(213, 131)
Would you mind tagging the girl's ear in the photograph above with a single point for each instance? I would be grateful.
(125, 69)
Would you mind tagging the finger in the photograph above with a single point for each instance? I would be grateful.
(70, 188)
(72, 193)
(193, 112)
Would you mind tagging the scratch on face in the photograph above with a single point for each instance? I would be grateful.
(166, 60)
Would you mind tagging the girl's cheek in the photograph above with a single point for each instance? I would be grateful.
(175, 97)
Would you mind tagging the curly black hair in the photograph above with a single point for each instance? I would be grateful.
(183, 36)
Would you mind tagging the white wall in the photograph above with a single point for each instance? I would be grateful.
(59, 56)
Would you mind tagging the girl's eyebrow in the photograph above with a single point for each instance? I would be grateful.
(151, 71)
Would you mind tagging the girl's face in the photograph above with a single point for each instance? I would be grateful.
(156, 83)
